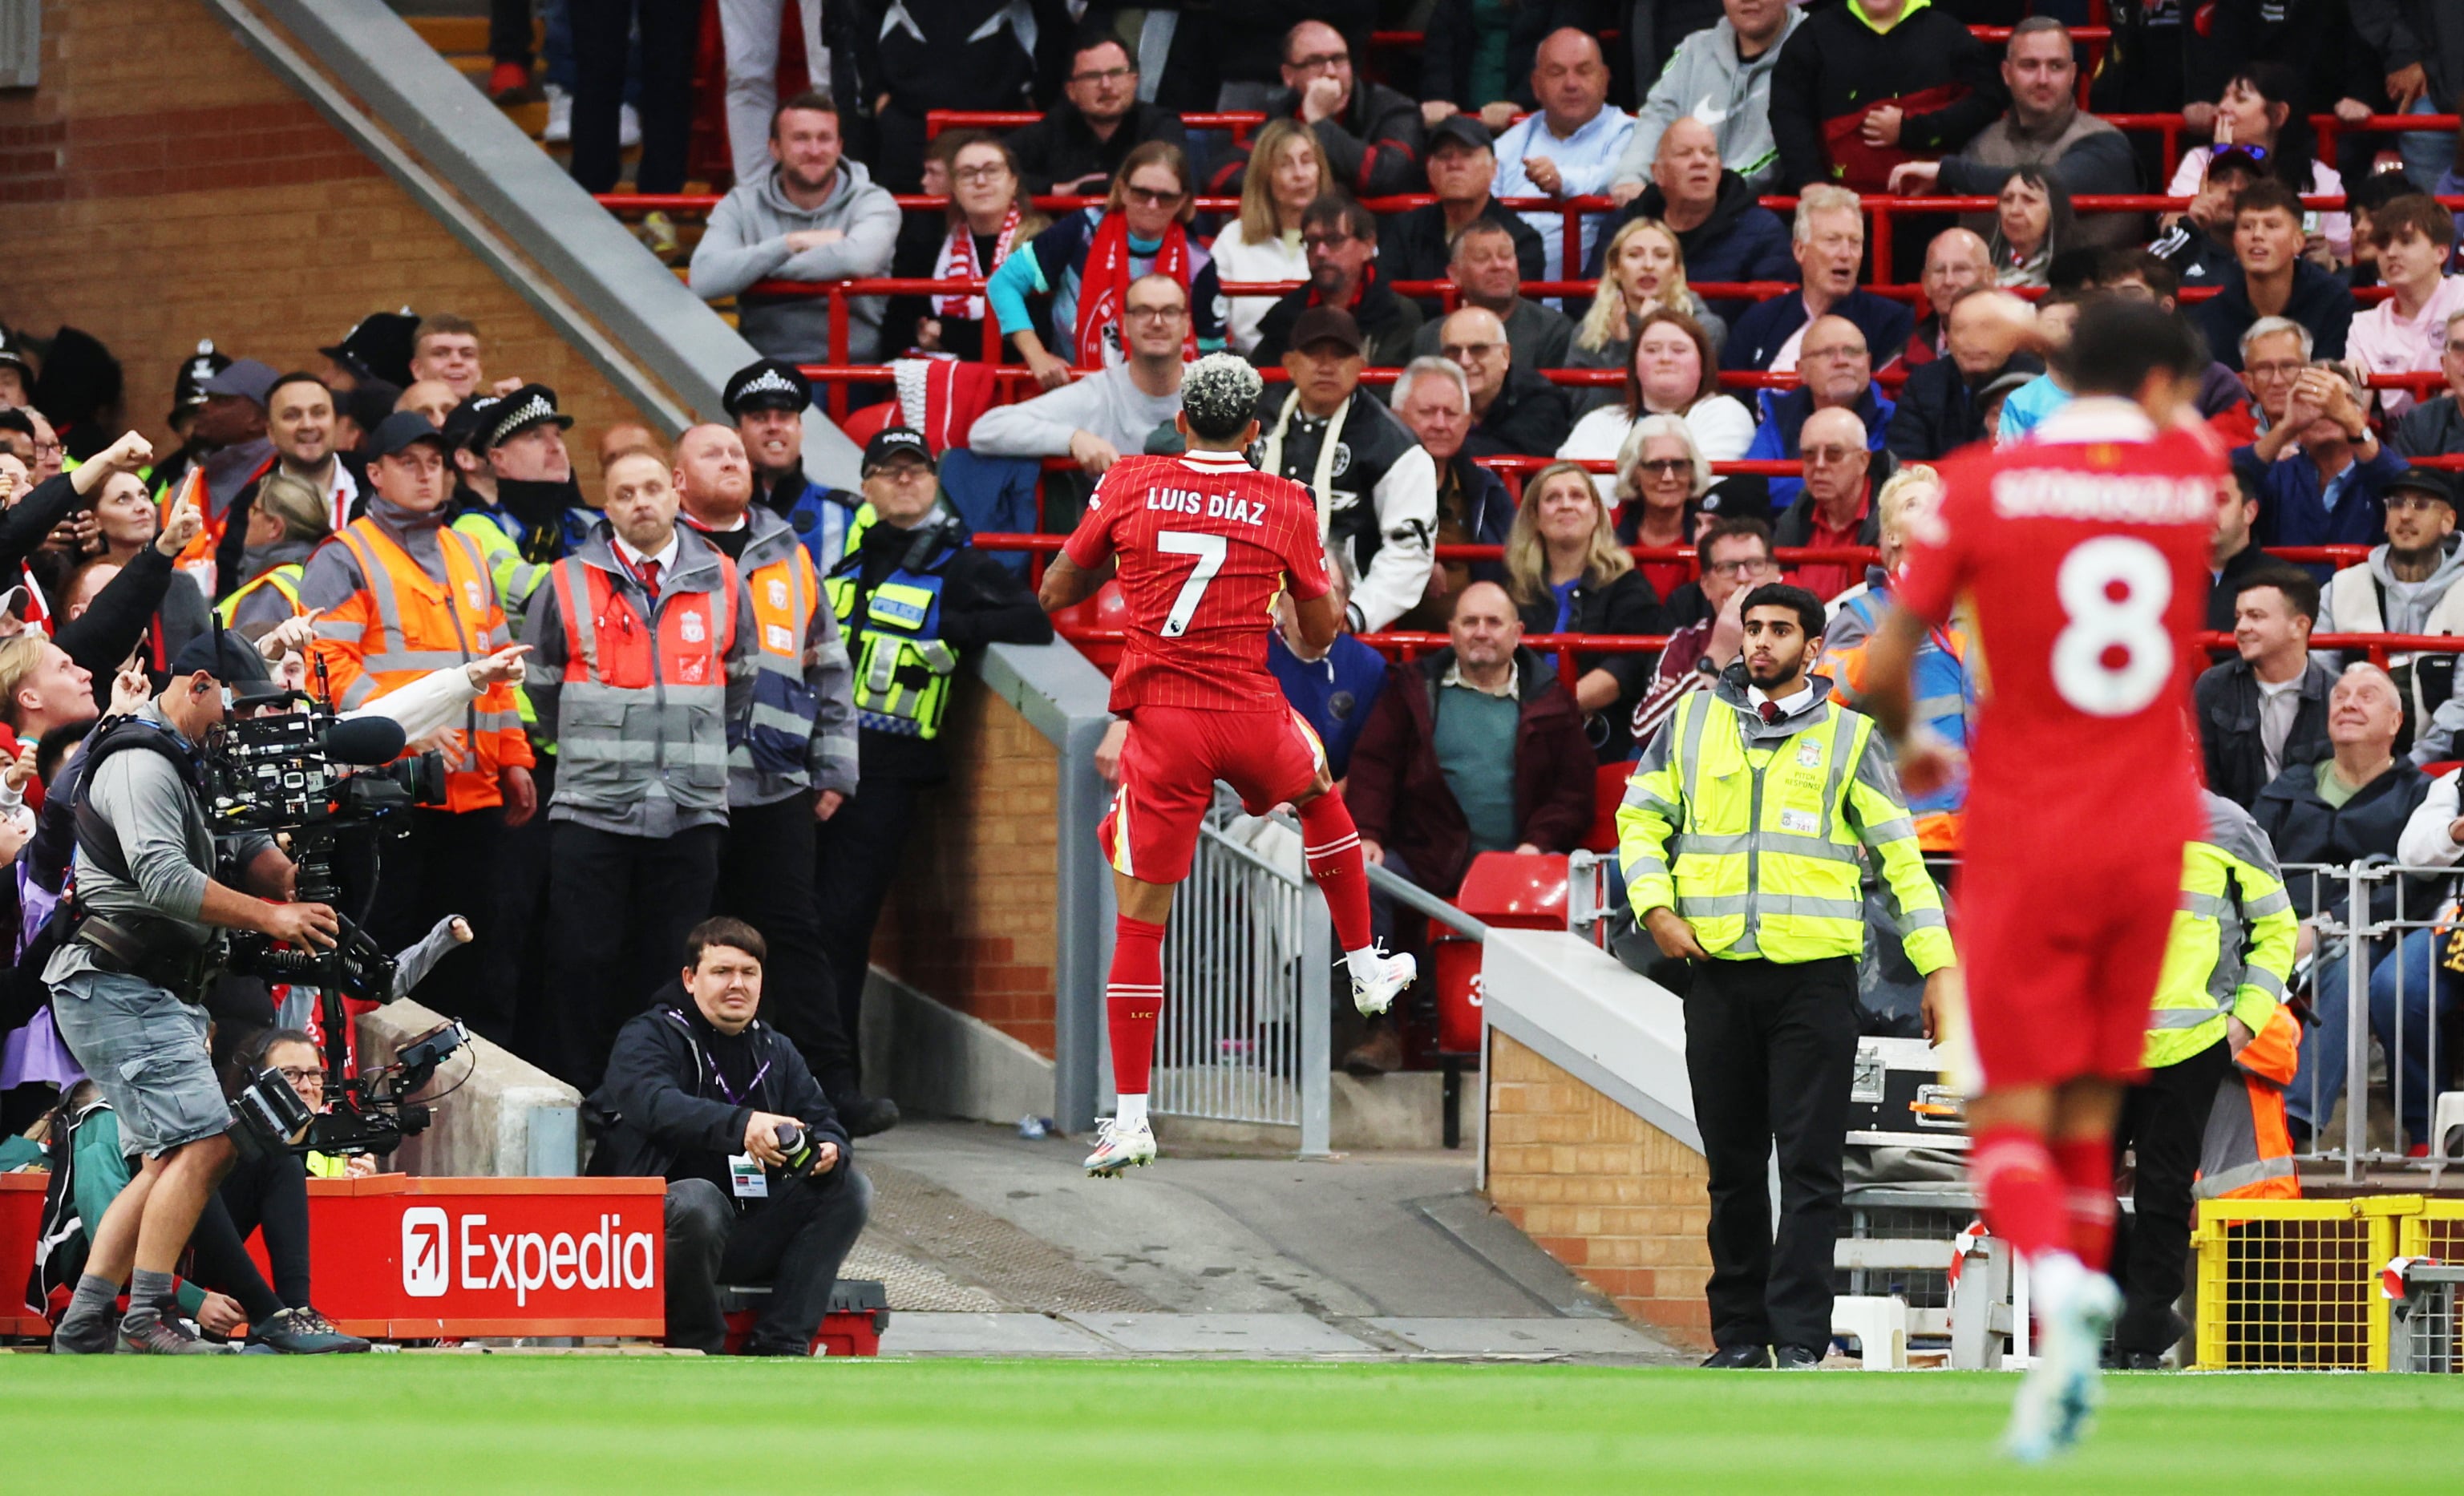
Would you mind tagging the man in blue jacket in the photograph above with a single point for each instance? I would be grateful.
(699, 1091)
(2331, 491)
(1838, 374)
(1828, 242)
(1723, 230)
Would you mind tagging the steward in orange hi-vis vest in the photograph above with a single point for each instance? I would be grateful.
(403, 622)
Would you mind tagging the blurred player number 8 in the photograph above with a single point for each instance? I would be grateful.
(2114, 656)
(1210, 551)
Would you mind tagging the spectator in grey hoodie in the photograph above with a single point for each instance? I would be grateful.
(2408, 586)
(1103, 415)
(1722, 76)
(814, 217)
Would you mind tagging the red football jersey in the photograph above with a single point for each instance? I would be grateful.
(2084, 555)
(1206, 542)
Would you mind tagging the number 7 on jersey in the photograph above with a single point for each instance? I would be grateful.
(1210, 550)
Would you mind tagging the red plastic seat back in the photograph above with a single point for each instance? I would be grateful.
(1104, 610)
(1608, 792)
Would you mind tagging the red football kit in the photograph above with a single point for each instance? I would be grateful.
(2084, 556)
(1205, 544)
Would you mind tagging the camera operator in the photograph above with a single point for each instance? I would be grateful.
(128, 978)
(697, 1090)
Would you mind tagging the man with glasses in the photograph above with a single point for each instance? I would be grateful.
(1515, 412)
(1483, 266)
(1106, 414)
(1340, 238)
(1082, 140)
(2436, 428)
(1370, 134)
(1835, 507)
(2321, 471)
(1736, 558)
(1839, 375)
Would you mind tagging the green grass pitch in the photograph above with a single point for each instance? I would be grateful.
(603, 1425)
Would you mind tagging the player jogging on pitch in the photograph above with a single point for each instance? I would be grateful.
(2083, 552)
(1205, 544)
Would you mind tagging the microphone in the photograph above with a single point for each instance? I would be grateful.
(363, 739)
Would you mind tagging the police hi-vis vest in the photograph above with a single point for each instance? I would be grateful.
(902, 665)
(1758, 845)
(2232, 946)
(643, 699)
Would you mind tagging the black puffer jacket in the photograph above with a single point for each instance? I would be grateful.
(661, 1111)
(2304, 829)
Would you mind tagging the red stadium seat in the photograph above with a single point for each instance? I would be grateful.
(1511, 891)
(1608, 791)
(1104, 610)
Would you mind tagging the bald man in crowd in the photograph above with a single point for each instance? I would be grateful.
(1955, 260)
(1836, 507)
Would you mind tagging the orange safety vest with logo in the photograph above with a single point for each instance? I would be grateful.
(779, 726)
(642, 701)
(2247, 1151)
(402, 624)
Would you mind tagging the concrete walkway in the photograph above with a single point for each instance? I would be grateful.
(991, 1245)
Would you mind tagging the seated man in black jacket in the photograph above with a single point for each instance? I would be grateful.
(698, 1091)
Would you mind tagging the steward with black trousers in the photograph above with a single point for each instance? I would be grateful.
(791, 758)
(696, 1092)
(911, 597)
(1743, 837)
(642, 642)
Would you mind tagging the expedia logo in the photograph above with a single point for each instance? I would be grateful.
(434, 1249)
(424, 1235)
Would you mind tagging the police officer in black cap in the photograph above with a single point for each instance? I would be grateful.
(532, 512)
(378, 348)
(913, 598)
(767, 402)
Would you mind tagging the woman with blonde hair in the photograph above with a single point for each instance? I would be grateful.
(1644, 267)
(286, 522)
(1854, 612)
(1287, 172)
(1085, 263)
(1568, 574)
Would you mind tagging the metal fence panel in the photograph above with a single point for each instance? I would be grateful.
(1246, 973)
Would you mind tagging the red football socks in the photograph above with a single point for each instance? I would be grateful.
(2086, 1167)
(1134, 999)
(1330, 844)
(2022, 1191)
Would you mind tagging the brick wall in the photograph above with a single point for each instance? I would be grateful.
(161, 186)
(1604, 1192)
(971, 921)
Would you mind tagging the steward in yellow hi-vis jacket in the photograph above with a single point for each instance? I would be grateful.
(2221, 997)
(1744, 838)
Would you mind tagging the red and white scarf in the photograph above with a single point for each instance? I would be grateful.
(959, 262)
(1104, 285)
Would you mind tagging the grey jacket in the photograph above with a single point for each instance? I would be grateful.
(2089, 155)
(815, 658)
(746, 241)
(1706, 79)
(165, 840)
(651, 761)
(1106, 404)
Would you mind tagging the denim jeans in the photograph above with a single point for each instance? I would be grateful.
(2428, 993)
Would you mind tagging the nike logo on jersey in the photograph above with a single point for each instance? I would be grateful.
(1212, 506)
(1711, 113)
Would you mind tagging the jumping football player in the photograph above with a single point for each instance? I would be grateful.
(2083, 552)
(1204, 544)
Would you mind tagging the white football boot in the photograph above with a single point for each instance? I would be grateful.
(2057, 1401)
(1376, 994)
(1120, 1147)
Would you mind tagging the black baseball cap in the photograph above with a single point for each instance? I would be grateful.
(769, 385)
(892, 441)
(531, 405)
(224, 655)
(404, 429)
(1464, 128)
(2426, 480)
(248, 380)
(1326, 325)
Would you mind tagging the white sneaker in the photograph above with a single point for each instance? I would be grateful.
(1119, 1148)
(1376, 995)
(2057, 1401)
(628, 128)
(560, 117)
